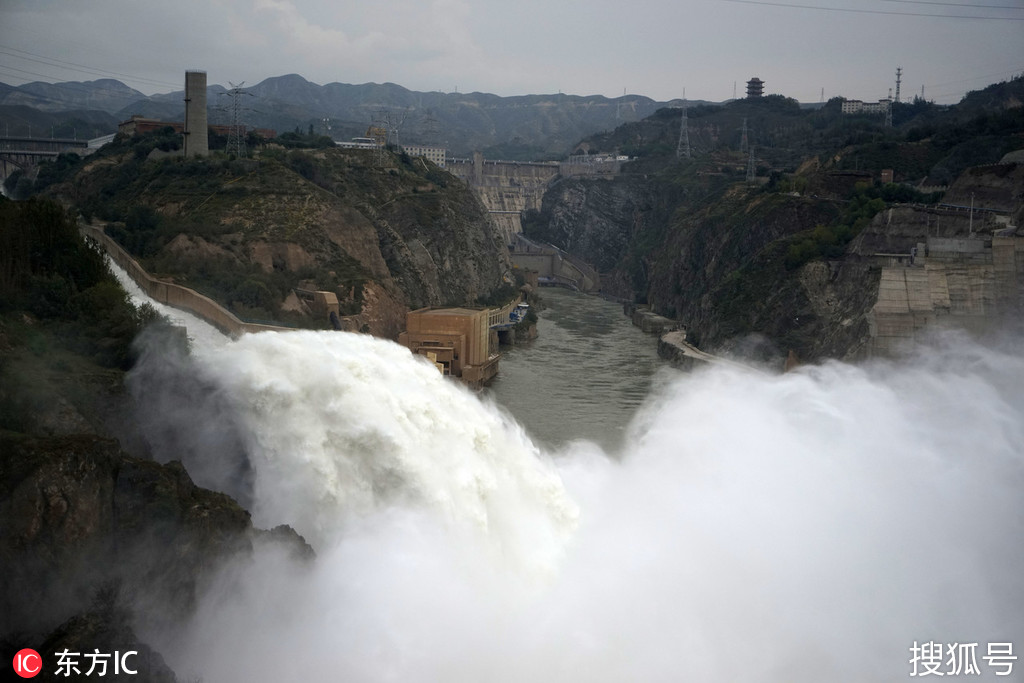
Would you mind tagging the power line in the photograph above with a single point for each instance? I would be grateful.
(236, 139)
(874, 11)
(63, 84)
(975, 78)
(73, 66)
(956, 4)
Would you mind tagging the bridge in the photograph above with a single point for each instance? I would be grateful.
(24, 153)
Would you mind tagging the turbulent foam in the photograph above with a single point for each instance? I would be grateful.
(199, 330)
(339, 425)
(807, 527)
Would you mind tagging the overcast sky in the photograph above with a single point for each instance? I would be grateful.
(516, 47)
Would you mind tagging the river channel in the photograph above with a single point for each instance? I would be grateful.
(583, 377)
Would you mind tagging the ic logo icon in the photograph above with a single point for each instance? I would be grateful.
(28, 663)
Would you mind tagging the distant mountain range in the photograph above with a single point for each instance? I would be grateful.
(521, 127)
(105, 95)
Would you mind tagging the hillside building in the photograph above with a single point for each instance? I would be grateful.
(357, 143)
(859, 107)
(755, 87)
(434, 154)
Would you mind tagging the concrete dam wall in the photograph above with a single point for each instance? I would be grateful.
(554, 266)
(506, 188)
(970, 282)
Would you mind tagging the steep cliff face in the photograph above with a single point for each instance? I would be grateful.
(730, 262)
(712, 254)
(440, 247)
(991, 187)
(723, 272)
(614, 224)
(89, 531)
(383, 237)
(95, 545)
(597, 219)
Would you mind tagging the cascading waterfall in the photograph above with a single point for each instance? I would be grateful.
(805, 527)
(340, 424)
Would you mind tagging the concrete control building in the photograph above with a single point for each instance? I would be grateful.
(457, 340)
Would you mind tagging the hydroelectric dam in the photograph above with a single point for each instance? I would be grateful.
(598, 538)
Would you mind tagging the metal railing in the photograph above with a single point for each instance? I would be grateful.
(499, 316)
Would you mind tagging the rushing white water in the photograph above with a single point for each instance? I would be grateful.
(809, 527)
(338, 425)
(805, 527)
(199, 331)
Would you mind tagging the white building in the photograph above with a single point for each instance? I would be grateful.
(357, 143)
(435, 154)
(859, 107)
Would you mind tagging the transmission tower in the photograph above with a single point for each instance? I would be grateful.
(236, 137)
(743, 139)
(379, 132)
(430, 128)
(751, 169)
(683, 148)
(899, 73)
(395, 124)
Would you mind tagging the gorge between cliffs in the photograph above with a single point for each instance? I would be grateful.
(433, 538)
(320, 504)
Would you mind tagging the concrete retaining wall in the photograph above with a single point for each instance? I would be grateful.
(553, 263)
(170, 293)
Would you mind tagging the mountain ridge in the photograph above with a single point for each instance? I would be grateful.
(524, 127)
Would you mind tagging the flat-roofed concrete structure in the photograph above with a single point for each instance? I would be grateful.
(435, 154)
(457, 340)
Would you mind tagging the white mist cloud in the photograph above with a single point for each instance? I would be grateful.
(806, 527)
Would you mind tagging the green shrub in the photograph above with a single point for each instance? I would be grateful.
(253, 293)
(46, 269)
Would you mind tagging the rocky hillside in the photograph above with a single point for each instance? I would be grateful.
(792, 260)
(96, 545)
(385, 237)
